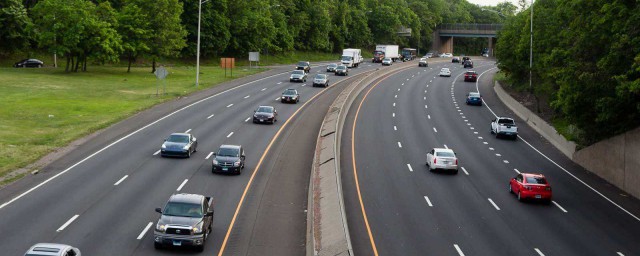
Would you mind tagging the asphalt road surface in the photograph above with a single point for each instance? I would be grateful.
(409, 211)
(101, 197)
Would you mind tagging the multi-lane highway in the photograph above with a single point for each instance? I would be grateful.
(395, 206)
(101, 197)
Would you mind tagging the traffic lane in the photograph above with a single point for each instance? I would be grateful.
(563, 242)
(63, 217)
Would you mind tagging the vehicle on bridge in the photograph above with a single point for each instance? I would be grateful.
(179, 144)
(531, 186)
(504, 126)
(185, 220)
(442, 159)
(409, 54)
(228, 159)
(385, 51)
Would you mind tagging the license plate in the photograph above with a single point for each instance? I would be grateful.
(538, 196)
(225, 168)
(177, 243)
(446, 162)
(261, 120)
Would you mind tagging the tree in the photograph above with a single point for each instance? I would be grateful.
(214, 31)
(135, 30)
(14, 34)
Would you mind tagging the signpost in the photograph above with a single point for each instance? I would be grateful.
(254, 57)
(161, 73)
(227, 63)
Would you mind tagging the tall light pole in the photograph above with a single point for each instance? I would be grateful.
(531, 49)
(200, 2)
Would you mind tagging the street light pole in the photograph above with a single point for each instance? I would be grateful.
(200, 2)
(531, 49)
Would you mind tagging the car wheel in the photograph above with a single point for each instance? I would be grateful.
(520, 197)
(195, 148)
(455, 172)
(200, 248)
(188, 153)
(39, 65)
(491, 130)
(510, 190)
(157, 245)
(282, 101)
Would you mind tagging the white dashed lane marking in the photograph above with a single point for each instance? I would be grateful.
(263, 89)
(247, 120)
(538, 251)
(279, 82)
(246, 97)
(505, 161)
(517, 171)
(120, 181)
(428, 201)
(458, 249)
(144, 230)
(393, 114)
(395, 128)
(187, 131)
(558, 205)
(182, 184)
(399, 145)
(434, 129)
(465, 171)
(209, 117)
(429, 116)
(61, 228)
(498, 155)
(157, 152)
(230, 105)
(230, 134)
(409, 166)
(494, 204)
(209, 155)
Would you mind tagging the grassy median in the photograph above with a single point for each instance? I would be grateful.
(43, 109)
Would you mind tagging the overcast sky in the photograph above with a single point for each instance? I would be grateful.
(492, 2)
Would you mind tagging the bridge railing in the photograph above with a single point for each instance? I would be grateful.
(469, 26)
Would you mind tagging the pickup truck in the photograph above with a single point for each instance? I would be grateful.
(504, 126)
(185, 221)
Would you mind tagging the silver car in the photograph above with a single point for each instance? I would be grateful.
(423, 62)
(387, 62)
(298, 76)
(442, 159)
(321, 80)
(49, 249)
(445, 72)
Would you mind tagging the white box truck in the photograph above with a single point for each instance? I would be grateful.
(386, 51)
(351, 57)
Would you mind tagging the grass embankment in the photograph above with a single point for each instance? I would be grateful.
(43, 109)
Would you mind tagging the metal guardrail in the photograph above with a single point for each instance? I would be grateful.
(469, 26)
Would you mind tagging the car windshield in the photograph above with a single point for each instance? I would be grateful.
(298, 72)
(444, 70)
(289, 92)
(178, 138)
(536, 180)
(321, 76)
(474, 95)
(183, 210)
(342, 67)
(302, 64)
(333, 65)
(265, 110)
(445, 154)
(231, 152)
(346, 58)
(505, 121)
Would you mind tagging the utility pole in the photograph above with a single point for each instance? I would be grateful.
(200, 2)
(531, 50)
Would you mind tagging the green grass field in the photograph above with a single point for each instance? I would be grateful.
(43, 109)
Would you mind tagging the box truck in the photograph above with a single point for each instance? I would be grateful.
(385, 51)
(351, 57)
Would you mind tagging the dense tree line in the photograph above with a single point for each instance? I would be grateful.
(108, 30)
(586, 60)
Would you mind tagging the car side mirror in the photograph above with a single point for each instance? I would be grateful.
(210, 214)
(158, 210)
(242, 157)
(255, 111)
(214, 154)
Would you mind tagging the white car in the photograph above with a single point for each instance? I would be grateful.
(446, 55)
(423, 62)
(387, 62)
(445, 72)
(442, 159)
(504, 126)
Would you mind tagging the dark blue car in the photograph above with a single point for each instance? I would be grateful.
(474, 98)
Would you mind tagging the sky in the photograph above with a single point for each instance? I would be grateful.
(492, 2)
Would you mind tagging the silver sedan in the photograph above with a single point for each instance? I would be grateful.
(442, 159)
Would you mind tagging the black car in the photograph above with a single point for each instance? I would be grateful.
(342, 70)
(228, 159)
(468, 64)
(179, 144)
(290, 95)
(185, 221)
(304, 65)
(332, 67)
(455, 60)
(265, 114)
(465, 58)
(29, 63)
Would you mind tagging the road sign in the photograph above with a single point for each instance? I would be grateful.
(161, 73)
(254, 56)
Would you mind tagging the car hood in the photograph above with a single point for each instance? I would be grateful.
(296, 75)
(227, 158)
(174, 145)
(263, 114)
(179, 220)
(320, 80)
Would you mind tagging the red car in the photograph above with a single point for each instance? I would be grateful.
(470, 76)
(531, 186)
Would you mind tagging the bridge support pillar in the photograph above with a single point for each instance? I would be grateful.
(490, 46)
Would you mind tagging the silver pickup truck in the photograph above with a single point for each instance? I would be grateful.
(504, 126)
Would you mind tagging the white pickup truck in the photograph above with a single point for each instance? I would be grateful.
(504, 126)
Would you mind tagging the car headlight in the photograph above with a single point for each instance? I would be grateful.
(164, 146)
(215, 162)
(236, 164)
(161, 227)
(197, 229)
(185, 147)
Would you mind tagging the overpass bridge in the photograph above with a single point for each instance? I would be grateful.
(444, 34)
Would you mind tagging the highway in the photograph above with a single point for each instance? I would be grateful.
(101, 196)
(395, 206)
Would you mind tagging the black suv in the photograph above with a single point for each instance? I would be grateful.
(304, 65)
(228, 159)
(185, 221)
(468, 64)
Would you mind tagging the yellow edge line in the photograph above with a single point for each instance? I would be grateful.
(353, 161)
(246, 189)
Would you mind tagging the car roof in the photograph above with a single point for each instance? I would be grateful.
(230, 146)
(471, 71)
(443, 150)
(48, 248)
(186, 198)
(265, 106)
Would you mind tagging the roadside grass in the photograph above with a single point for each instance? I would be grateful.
(43, 109)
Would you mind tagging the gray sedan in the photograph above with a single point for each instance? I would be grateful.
(179, 144)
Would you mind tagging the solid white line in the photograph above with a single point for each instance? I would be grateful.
(554, 202)
(209, 117)
(263, 89)
(458, 249)
(230, 105)
(464, 170)
(209, 155)
(120, 180)
(539, 252)
(247, 120)
(157, 152)
(428, 201)
(434, 129)
(429, 116)
(494, 204)
(556, 164)
(410, 169)
(144, 231)
(229, 134)
(399, 145)
(182, 184)
(67, 223)
(445, 146)
(516, 170)
(187, 131)
(131, 134)
(395, 128)
(246, 97)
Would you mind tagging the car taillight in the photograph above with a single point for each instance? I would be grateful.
(456, 161)
(435, 160)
